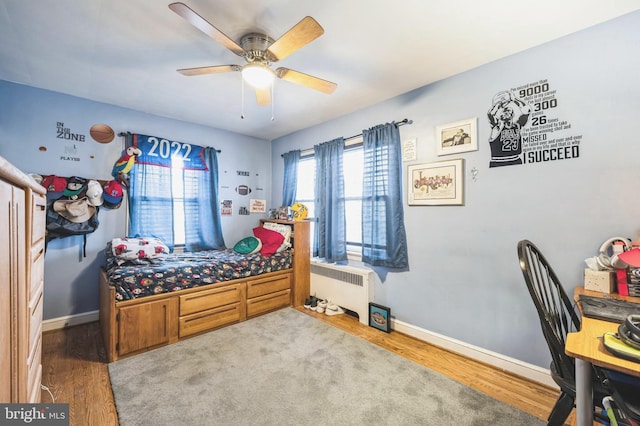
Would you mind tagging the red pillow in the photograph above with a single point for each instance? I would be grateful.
(271, 240)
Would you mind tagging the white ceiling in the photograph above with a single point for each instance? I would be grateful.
(126, 52)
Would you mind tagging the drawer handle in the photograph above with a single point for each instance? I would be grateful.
(214, 294)
(211, 314)
(38, 255)
(267, 282)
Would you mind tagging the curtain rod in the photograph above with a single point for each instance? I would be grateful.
(397, 123)
(129, 133)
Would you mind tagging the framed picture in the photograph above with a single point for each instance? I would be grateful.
(257, 206)
(460, 136)
(436, 184)
(379, 317)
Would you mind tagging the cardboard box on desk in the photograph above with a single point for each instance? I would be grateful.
(602, 281)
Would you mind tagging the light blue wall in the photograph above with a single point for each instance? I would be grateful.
(28, 120)
(464, 279)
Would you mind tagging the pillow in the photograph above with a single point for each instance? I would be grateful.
(285, 230)
(138, 250)
(248, 245)
(271, 240)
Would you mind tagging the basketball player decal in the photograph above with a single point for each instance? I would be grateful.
(507, 116)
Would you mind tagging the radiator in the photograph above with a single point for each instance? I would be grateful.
(346, 286)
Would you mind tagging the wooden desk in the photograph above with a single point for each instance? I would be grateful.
(587, 348)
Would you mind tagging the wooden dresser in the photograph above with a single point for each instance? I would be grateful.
(22, 230)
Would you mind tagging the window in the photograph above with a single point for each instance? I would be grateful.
(353, 169)
(173, 202)
(177, 192)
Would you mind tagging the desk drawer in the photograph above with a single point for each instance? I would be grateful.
(34, 373)
(268, 285)
(37, 270)
(207, 299)
(209, 319)
(268, 302)
(38, 217)
(35, 320)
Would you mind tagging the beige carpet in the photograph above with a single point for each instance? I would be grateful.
(287, 368)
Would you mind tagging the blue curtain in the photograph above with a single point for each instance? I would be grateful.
(384, 240)
(330, 230)
(202, 223)
(151, 203)
(290, 181)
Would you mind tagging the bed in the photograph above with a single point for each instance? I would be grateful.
(158, 303)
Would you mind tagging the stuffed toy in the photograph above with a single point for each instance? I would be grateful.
(125, 163)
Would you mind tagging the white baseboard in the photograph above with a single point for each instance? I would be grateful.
(512, 365)
(69, 320)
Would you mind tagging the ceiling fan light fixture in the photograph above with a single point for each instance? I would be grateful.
(258, 75)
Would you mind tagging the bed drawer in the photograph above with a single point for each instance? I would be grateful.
(268, 285)
(269, 302)
(210, 319)
(207, 299)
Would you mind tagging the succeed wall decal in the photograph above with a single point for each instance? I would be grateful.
(526, 127)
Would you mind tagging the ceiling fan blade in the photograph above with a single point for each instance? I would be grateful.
(209, 70)
(263, 96)
(307, 80)
(203, 25)
(302, 33)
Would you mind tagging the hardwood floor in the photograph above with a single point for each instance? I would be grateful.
(75, 371)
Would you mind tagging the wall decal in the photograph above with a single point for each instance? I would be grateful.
(226, 208)
(243, 190)
(526, 128)
(102, 133)
(70, 153)
(65, 133)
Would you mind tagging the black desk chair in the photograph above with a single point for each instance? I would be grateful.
(558, 316)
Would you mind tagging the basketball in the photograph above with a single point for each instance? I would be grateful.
(102, 133)
(501, 97)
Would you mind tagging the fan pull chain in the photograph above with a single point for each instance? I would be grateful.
(272, 101)
(242, 101)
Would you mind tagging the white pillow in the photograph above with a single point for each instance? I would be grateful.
(285, 230)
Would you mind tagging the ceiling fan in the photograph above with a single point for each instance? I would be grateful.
(259, 51)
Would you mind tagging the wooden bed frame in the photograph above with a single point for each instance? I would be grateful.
(133, 326)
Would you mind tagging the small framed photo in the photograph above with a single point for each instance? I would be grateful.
(436, 184)
(460, 136)
(284, 213)
(257, 206)
(379, 317)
